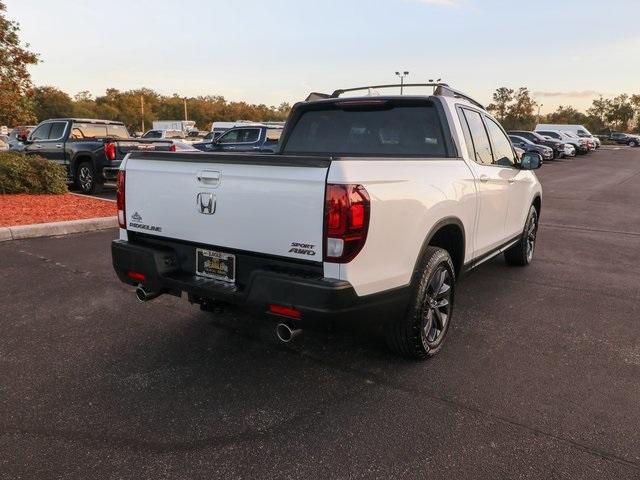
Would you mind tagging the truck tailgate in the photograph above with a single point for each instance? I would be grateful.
(269, 204)
(138, 144)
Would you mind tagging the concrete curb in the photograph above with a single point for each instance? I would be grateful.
(57, 228)
(91, 196)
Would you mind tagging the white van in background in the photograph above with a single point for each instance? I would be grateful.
(579, 130)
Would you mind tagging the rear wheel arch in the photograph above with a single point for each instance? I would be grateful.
(78, 159)
(537, 203)
(448, 234)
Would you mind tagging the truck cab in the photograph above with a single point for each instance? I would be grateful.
(254, 138)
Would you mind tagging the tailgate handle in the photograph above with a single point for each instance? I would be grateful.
(209, 177)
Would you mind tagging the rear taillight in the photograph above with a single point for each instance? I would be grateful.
(172, 148)
(120, 199)
(285, 311)
(346, 222)
(110, 150)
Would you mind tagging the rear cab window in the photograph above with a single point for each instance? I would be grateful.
(366, 127)
(117, 131)
(83, 131)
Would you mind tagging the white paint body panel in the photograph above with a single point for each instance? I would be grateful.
(258, 208)
(408, 197)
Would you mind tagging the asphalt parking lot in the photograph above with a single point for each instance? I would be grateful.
(539, 378)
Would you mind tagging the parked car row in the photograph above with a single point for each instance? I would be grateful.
(624, 138)
(555, 141)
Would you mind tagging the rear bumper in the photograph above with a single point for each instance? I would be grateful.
(323, 302)
(111, 172)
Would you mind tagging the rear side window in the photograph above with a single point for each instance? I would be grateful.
(241, 135)
(388, 131)
(57, 130)
(481, 145)
(502, 151)
(81, 131)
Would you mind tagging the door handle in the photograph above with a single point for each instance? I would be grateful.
(209, 177)
(484, 178)
(58, 145)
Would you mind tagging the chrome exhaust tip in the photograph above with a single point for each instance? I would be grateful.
(285, 333)
(144, 295)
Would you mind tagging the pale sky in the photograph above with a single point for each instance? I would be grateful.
(566, 51)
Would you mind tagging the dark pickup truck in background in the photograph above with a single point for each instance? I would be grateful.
(254, 138)
(624, 138)
(90, 150)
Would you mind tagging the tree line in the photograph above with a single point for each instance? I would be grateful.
(517, 110)
(127, 106)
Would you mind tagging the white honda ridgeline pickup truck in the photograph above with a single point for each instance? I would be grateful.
(371, 209)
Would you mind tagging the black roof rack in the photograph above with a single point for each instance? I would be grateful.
(439, 89)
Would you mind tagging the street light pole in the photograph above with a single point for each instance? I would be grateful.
(142, 111)
(540, 105)
(402, 75)
(185, 109)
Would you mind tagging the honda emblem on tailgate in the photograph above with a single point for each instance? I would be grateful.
(206, 203)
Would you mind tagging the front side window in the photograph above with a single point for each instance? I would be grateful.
(502, 151)
(153, 134)
(528, 136)
(481, 145)
(351, 128)
(41, 133)
(230, 137)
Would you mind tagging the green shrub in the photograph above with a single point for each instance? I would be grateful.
(27, 174)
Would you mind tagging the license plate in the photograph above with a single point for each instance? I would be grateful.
(146, 147)
(216, 265)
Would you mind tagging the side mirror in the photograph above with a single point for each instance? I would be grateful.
(530, 161)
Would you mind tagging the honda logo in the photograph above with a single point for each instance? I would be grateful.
(206, 203)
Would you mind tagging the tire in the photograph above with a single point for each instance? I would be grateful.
(521, 254)
(86, 180)
(421, 332)
(633, 143)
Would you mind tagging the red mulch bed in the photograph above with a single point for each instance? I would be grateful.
(25, 209)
